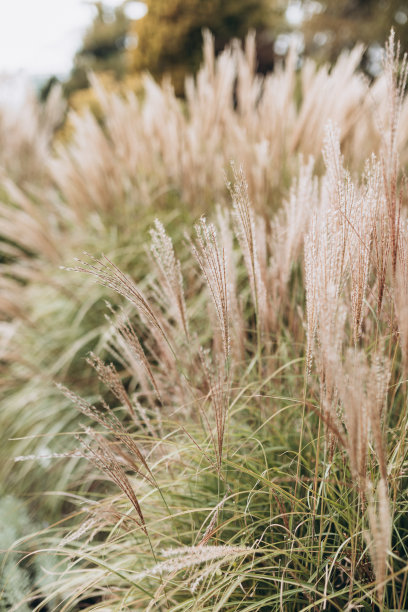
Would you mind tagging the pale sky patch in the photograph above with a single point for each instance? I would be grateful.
(41, 37)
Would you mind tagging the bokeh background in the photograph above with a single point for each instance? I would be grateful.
(56, 40)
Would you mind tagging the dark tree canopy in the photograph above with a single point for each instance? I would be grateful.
(169, 37)
(344, 23)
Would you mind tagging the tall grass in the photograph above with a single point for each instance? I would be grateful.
(235, 439)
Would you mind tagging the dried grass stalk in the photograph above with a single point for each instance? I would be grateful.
(101, 455)
(211, 259)
(246, 232)
(112, 424)
(379, 535)
(170, 274)
(109, 275)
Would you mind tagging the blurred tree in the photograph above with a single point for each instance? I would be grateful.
(102, 48)
(335, 25)
(169, 38)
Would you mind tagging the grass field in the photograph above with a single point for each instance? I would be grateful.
(204, 343)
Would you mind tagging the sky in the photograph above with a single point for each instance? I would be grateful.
(40, 37)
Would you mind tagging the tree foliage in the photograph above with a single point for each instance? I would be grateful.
(102, 48)
(339, 25)
(169, 37)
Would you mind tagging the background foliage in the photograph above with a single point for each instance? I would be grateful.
(168, 40)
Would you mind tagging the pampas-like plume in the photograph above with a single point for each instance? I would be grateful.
(362, 389)
(311, 284)
(236, 315)
(47, 456)
(326, 254)
(387, 231)
(377, 388)
(290, 225)
(109, 275)
(129, 342)
(379, 535)
(246, 233)
(109, 376)
(213, 522)
(101, 455)
(185, 557)
(351, 385)
(170, 273)
(396, 74)
(324, 277)
(217, 384)
(211, 259)
(381, 250)
(400, 282)
(338, 248)
(143, 147)
(363, 212)
(112, 424)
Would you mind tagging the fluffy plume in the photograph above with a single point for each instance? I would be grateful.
(185, 557)
(246, 233)
(101, 455)
(211, 258)
(109, 275)
(379, 535)
(170, 273)
(112, 424)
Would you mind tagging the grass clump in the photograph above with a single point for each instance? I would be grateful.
(236, 439)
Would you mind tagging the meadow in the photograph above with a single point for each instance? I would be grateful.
(204, 342)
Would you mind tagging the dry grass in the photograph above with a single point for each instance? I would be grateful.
(248, 397)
